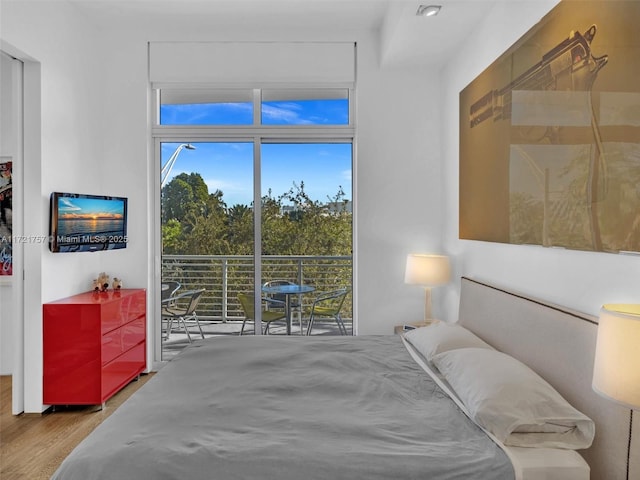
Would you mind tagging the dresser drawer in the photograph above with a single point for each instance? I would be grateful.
(118, 341)
(122, 370)
(73, 385)
(126, 306)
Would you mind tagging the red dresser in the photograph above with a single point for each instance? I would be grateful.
(94, 344)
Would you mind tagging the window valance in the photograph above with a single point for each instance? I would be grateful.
(252, 62)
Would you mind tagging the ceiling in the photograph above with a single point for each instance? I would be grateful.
(406, 39)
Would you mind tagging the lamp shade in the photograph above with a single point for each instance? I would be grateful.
(616, 372)
(428, 270)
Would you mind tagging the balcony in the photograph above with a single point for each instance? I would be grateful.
(224, 276)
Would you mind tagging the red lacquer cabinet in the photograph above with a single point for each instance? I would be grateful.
(94, 344)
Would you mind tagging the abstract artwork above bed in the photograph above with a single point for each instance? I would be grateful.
(550, 134)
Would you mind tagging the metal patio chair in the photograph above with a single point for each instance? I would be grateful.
(181, 308)
(329, 304)
(268, 316)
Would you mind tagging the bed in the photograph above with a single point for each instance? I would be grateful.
(374, 407)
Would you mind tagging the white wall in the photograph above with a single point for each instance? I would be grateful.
(73, 158)
(95, 139)
(579, 280)
(399, 190)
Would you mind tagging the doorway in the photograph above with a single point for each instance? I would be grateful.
(221, 153)
(12, 348)
(210, 231)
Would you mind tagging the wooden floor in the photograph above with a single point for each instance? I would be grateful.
(32, 445)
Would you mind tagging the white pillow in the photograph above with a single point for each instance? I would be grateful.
(441, 337)
(512, 401)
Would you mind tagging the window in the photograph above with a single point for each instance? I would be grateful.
(226, 150)
(305, 107)
(236, 107)
(206, 107)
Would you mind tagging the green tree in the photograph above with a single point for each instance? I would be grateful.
(240, 229)
(184, 194)
(171, 236)
(205, 228)
(198, 223)
(308, 227)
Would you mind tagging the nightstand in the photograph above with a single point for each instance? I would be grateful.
(407, 326)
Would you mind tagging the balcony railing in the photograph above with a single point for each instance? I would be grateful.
(224, 276)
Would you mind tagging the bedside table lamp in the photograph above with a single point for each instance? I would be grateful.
(428, 271)
(616, 371)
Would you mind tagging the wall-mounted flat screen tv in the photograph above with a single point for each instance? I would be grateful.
(87, 223)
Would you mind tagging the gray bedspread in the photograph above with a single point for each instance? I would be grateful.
(284, 408)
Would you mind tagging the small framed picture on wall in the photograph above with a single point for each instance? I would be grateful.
(6, 224)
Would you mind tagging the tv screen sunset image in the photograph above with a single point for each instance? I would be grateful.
(90, 220)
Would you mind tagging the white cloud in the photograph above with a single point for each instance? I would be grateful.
(285, 113)
(68, 205)
(228, 188)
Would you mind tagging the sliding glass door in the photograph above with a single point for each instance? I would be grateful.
(255, 188)
(306, 233)
(207, 230)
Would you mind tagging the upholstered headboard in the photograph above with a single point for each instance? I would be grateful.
(559, 344)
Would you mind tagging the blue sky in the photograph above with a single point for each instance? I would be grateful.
(228, 167)
(87, 207)
(324, 167)
(297, 112)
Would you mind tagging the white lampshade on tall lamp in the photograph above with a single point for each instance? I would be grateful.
(428, 271)
(616, 372)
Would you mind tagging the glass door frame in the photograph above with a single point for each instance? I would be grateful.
(257, 134)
